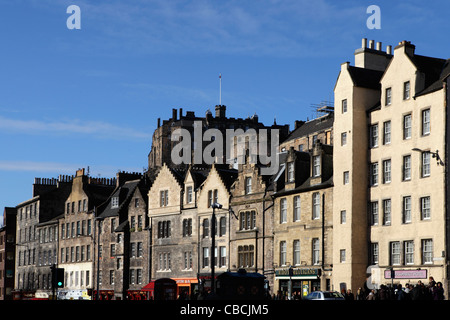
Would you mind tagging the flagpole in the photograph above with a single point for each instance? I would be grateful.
(220, 89)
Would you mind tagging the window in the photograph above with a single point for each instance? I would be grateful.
(205, 228)
(222, 226)
(387, 212)
(343, 138)
(114, 202)
(297, 208)
(342, 255)
(407, 126)
(315, 251)
(223, 256)
(316, 166)
(373, 136)
(407, 209)
(374, 253)
(425, 164)
(164, 229)
(164, 198)
(283, 210)
(248, 185)
(387, 171)
(374, 174)
(246, 256)
(388, 97)
(189, 194)
(187, 260)
(409, 252)
(346, 177)
(316, 205)
(187, 227)
(387, 132)
(165, 263)
(343, 216)
(136, 202)
(212, 197)
(427, 251)
(373, 206)
(205, 260)
(247, 220)
(406, 168)
(283, 253)
(296, 253)
(395, 253)
(425, 208)
(426, 122)
(290, 172)
(406, 90)
(344, 106)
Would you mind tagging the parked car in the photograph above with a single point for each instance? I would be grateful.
(324, 295)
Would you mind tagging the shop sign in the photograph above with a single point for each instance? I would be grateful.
(297, 272)
(406, 274)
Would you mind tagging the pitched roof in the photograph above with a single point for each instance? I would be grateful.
(309, 127)
(365, 78)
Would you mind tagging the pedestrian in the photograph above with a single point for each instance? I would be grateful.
(438, 292)
(400, 293)
(360, 295)
(371, 295)
(382, 293)
(349, 295)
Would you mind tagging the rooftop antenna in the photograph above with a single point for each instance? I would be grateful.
(220, 89)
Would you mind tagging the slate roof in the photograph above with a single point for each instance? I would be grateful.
(309, 127)
(366, 78)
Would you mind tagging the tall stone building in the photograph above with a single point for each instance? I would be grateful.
(303, 221)
(78, 234)
(36, 245)
(251, 222)
(393, 115)
(7, 253)
(124, 238)
(162, 144)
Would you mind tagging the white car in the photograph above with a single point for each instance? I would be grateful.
(324, 295)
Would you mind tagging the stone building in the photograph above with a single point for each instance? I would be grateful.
(36, 245)
(303, 221)
(124, 238)
(7, 253)
(78, 236)
(393, 112)
(251, 235)
(162, 144)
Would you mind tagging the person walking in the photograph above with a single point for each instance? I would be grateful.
(438, 292)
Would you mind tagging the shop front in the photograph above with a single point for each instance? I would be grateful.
(297, 281)
(186, 287)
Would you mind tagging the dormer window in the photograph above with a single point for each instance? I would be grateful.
(290, 173)
(114, 202)
(189, 194)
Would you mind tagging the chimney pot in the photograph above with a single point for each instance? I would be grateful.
(371, 43)
(389, 49)
(379, 46)
(364, 43)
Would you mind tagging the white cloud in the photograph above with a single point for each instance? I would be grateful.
(97, 129)
(57, 168)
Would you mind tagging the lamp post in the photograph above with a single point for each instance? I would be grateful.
(433, 154)
(213, 244)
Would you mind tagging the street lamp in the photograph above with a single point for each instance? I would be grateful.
(433, 154)
(213, 244)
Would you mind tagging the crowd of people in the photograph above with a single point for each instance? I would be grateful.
(420, 291)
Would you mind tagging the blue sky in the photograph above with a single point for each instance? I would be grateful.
(91, 97)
